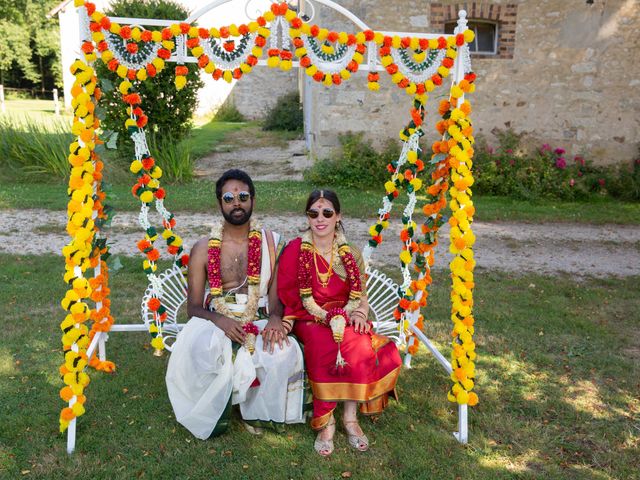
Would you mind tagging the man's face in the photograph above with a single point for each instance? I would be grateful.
(236, 204)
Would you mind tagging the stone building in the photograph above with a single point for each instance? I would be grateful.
(556, 71)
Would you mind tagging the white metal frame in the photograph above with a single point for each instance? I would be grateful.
(99, 340)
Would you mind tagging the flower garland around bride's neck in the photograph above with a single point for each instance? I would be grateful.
(254, 263)
(305, 262)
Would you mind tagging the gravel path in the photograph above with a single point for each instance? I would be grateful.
(582, 250)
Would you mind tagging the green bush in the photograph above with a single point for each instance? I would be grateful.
(286, 114)
(358, 164)
(169, 110)
(228, 112)
(34, 148)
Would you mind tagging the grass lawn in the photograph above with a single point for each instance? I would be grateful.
(290, 196)
(558, 369)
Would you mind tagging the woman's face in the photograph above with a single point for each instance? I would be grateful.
(321, 226)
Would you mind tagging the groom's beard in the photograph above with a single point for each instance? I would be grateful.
(234, 217)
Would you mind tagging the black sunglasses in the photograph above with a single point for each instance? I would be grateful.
(326, 213)
(242, 196)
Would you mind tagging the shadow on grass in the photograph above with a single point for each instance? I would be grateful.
(557, 379)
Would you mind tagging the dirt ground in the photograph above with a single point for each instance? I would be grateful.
(580, 250)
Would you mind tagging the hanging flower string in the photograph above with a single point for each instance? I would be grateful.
(79, 253)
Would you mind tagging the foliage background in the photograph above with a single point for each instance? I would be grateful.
(30, 45)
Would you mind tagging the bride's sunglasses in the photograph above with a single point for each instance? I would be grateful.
(326, 213)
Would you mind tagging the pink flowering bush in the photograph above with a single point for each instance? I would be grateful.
(548, 172)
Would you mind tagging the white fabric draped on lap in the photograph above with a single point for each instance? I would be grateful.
(201, 376)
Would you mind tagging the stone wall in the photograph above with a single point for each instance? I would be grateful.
(564, 74)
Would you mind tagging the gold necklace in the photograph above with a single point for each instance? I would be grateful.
(323, 278)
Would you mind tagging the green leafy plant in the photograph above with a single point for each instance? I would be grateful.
(173, 157)
(34, 148)
(228, 112)
(356, 164)
(286, 114)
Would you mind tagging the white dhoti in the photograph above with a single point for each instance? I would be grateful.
(202, 375)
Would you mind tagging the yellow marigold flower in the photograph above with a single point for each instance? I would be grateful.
(245, 68)
(390, 186)
(451, 40)
(158, 63)
(78, 3)
(193, 32)
(115, 28)
(97, 37)
(233, 30)
(443, 71)
(175, 29)
(462, 398)
(412, 156)
(289, 15)
(135, 34)
(156, 172)
(197, 51)
(269, 16)
(469, 36)
(177, 242)
(397, 77)
(345, 74)
(273, 61)
(456, 91)
(141, 74)
(311, 70)
(228, 76)
(386, 60)
(405, 257)
(343, 37)
(372, 231)
(360, 38)
(146, 197)
(358, 58)
(157, 343)
(256, 52)
(327, 80)
(414, 43)
(153, 328)
(451, 53)
(210, 67)
(180, 81)
(396, 42)
(156, 36)
(417, 184)
(286, 65)
(411, 89)
(135, 166)
(124, 87)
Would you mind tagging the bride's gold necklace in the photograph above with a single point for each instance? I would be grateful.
(323, 278)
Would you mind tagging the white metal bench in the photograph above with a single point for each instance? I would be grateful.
(382, 294)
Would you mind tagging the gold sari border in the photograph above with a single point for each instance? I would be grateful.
(361, 392)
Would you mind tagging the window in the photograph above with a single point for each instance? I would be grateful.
(486, 39)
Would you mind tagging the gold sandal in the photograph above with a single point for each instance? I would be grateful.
(359, 442)
(324, 447)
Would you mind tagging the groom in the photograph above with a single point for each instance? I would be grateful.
(217, 359)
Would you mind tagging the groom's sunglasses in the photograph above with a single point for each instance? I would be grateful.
(326, 213)
(242, 197)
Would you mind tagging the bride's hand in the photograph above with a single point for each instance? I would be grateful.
(360, 324)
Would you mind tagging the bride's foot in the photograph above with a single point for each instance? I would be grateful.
(324, 441)
(355, 435)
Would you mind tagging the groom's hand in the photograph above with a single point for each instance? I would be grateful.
(231, 328)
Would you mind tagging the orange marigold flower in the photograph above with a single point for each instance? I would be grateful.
(154, 304)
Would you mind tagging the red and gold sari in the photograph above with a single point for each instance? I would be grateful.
(373, 361)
